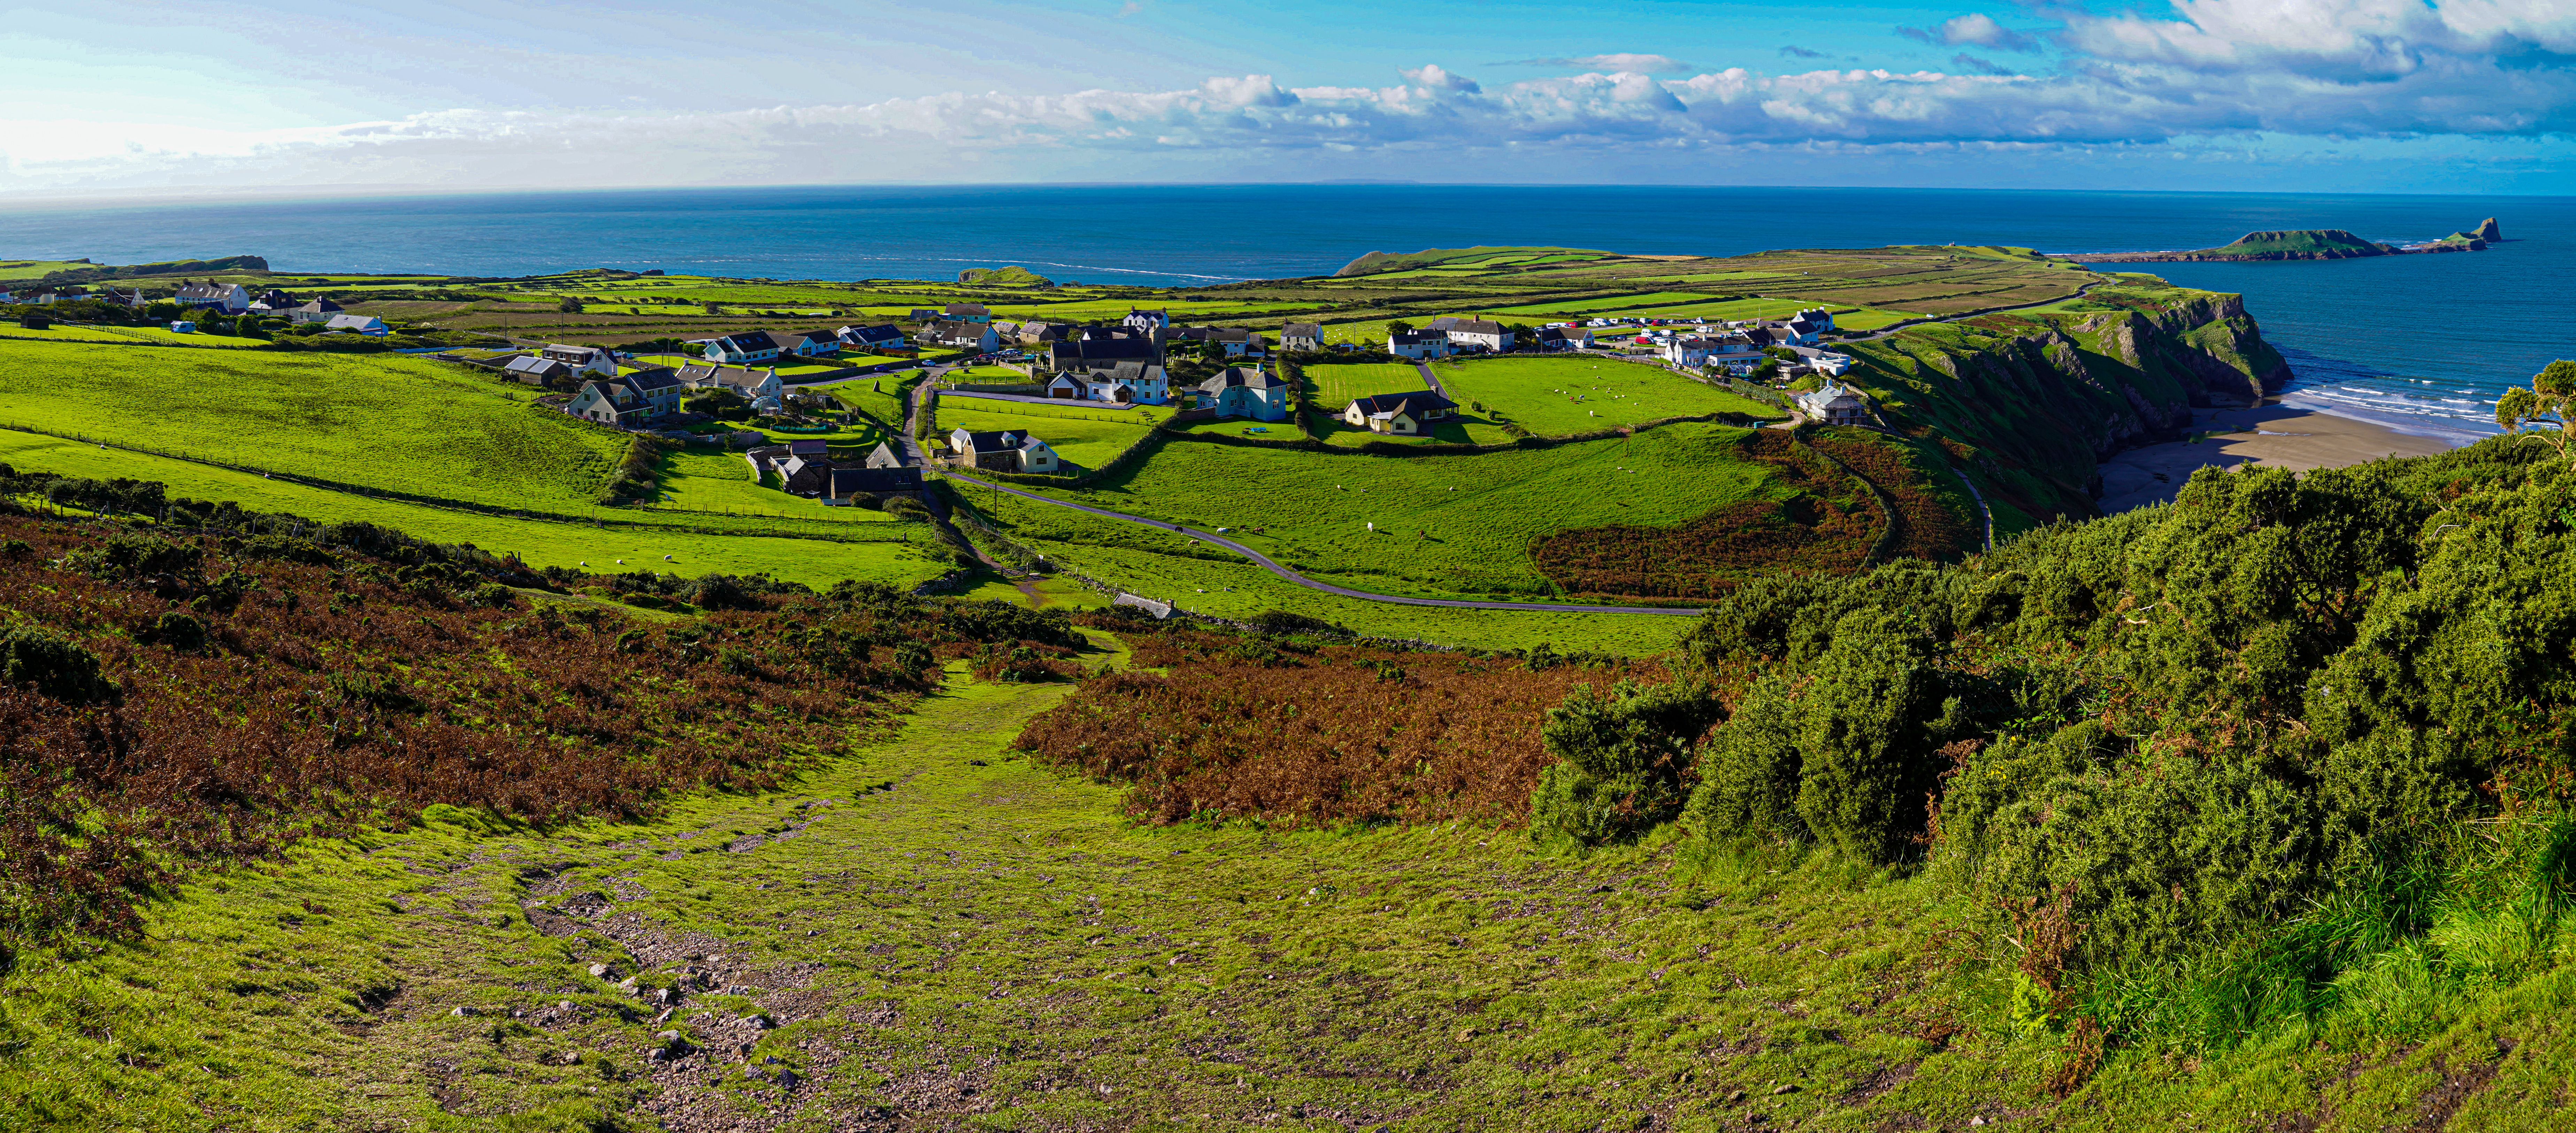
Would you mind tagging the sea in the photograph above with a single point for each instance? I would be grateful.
(2418, 343)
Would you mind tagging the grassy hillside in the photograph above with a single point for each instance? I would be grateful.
(383, 422)
(1446, 526)
(2300, 240)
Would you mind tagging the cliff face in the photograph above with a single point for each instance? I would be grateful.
(2034, 404)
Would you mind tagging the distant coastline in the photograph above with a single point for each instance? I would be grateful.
(2299, 244)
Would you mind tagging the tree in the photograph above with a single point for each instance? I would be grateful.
(1398, 326)
(2546, 402)
(571, 305)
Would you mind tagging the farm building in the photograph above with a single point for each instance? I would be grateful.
(897, 481)
(536, 370)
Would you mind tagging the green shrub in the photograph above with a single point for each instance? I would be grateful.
(1622, 762)
(178, 631)
(128, 557)
(54, 665)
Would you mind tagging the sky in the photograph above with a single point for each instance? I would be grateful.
(152, 98)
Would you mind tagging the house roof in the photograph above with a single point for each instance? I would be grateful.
(1302, 330)
(884, 456)
(1417, 337)
(736, 376)
(848, 480)
(747, 342)
(1232, 334)
(878, 333)
(966, 309)
(207, 290)
(1249, 377)
(1444, 323)
(1476, 326)
(789, 339)
(1129, 371)
(945, 330)
(651, 380)
(359, 321)
(1003, 440)
(319, 307)
(534, 364)
(1390, 404)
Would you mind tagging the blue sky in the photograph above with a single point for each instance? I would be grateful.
(146, 97)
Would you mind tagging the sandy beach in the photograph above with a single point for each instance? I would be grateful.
(2272, 434)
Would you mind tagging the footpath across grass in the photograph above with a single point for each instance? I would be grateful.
(1555, 396)
(401, 424)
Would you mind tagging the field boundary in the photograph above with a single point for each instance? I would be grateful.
(438, 502)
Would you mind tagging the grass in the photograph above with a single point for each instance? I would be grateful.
(1085, 437)
(699, 480)
(403, 424)
(1550, 396)
(1446, 526)
(1330, 386)
(65, 332)
(891, 552)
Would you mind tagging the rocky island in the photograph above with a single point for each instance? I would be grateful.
(2302, 244)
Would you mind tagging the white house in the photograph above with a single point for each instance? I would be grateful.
(1418, 344)
(1239, 342)
(1690, 351)
(1402, 413)
(974, 336)
(1817, 315)
(227, 297)
(759, 387)
(317, 311)
(1833, 405)
(1147, 321)
(1301, 336)
(368, 325)
(1480, 334)
(1008, 450)
(582, 359)
(747, 346)
(1139, 383)
(805, 344)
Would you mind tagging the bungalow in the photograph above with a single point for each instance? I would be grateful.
(317, 311)
(966, 313)
(891, 481)
(1147, 321)
(1301, 336)
(1833, 404)
(227, 297)
(582, 359)
(885, 336)
(535, 369)
(628, 401)
(1128, 382)
(1247, 391)
(747, 346)
(1480, 334)
(976, 335)
(806, 344)
(368, 325)
(1558, 338)
(1418, 345)
(759, 387)
(1405, 413)
(1008, 450)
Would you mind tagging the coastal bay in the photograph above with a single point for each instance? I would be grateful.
(2271, 435)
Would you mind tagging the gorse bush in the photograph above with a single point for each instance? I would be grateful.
(2231, 738)
(1622, 761)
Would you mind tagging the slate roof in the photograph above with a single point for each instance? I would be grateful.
(1418, 338)
(883, 332)
(965, 310)
(1302, 330)
(1476, 326)
(1390, 404)
(1249, 377)
(848, 480)
(748, 342)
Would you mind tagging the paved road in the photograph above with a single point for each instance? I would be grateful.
(1265, 563)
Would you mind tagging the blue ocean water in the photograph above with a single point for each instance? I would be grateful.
(2419, 342)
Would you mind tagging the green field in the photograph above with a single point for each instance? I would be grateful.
(1607, 303)
(1330, 386)
(702, 480)
(404, 424)
(1446, 526)
(892, 555)
(1554, 396)
(64, 332)
(1086, 437)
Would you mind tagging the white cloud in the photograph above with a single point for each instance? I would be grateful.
(1429, 76)
(1976, 29)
